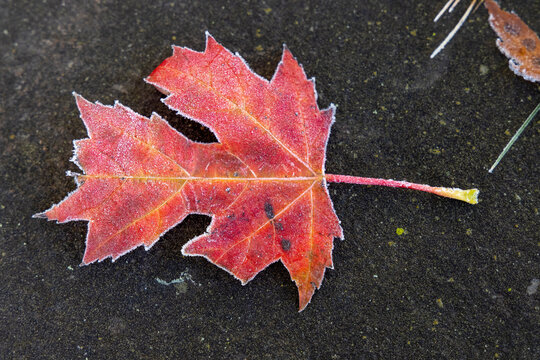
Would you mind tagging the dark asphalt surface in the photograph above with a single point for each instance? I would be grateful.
(458, 283)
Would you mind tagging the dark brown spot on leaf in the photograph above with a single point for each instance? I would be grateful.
(512, 28)
(285, 244)
(529, 44)
(269, 210)
(278, 226)
(536, 61)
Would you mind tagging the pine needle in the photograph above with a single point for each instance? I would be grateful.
(443, 10)
(453, 4)
(515, 137)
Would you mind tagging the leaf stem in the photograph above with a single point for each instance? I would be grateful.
(514, 138)
(470, 196)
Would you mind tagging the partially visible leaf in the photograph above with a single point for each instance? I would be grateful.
(517, 41)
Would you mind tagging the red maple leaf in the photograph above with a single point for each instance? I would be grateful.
(263, 184)
(517, 41)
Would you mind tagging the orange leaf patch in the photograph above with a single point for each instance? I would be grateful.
(517, 41)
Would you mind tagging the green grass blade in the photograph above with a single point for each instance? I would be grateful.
(515, 137)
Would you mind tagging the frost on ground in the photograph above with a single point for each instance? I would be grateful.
(179, 283)
(531, 289)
